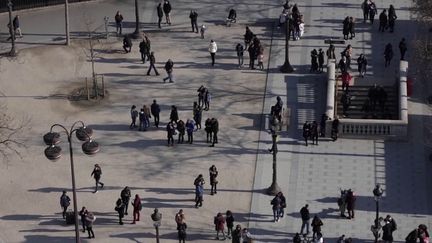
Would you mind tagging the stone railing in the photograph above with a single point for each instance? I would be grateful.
(370, 128)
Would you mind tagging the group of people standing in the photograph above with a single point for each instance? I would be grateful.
(254, 47)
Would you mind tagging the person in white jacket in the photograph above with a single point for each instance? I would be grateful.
(213, 50)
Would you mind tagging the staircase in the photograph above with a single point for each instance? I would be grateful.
(359, 95)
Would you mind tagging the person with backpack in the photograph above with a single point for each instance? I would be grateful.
(219, 222)
(137, 207)
(181, 228)
(276, 206)
(97, 173)
(125, 196)
(90, 219)
(239, 51)
(213, 172)
(179, 217)
(181, 128)
(167, 10)
(134, 115)
(316, 226)
(155, 111)
(120, 209)
(83, 214)
(229, 218)
(119, 23)
(64, 203)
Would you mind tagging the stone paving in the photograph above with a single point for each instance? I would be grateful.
(163, 177)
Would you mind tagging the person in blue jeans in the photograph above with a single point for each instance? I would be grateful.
(190, 127)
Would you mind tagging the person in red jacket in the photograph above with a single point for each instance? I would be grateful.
(137, 206)
(346, 78)
(219, 222)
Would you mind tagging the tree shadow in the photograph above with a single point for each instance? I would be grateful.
(48, 239)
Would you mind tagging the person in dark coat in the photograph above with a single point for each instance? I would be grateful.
(174, 114)
(383, 21)
(170, 133)
(169, 70)
(335, 129)
(97, 173)
(152, 64)
(83, 214)
(365, 8)
(155, 111)
(160, 14)
(391, 18)
(372, 11)
(323, 121)
(181, 229)
(283, 205)
(167, 11)
(314, 61)
(190, 128)
(239, 50)
(388, 54)
(199, 192)
(230, 223)
(314, 132)
(305, 216)
(345, 28)
(208, 130)
(346, 102)
(181, 127)
(320, 60)
(350, 201)
(125, 196)
(388, 229)
(402, 48)
(213, 173)
(120, 208)
(276, 206)
(197, 115)
(194, 18)
(16, 26)
(236, 234)
(127, 43)
(64, 203)
(361, 65)
(143, 50)
(351, 27)
(316, 226)
(248, 36)
(119, 22)
(306, 132)
(215, 129)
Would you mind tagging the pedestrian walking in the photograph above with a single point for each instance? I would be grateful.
(388, 54)
(181, 128)
(159, 14)
(316, 226)
(202, 31)
(350, 201)
(372, 11)
(213, 49)
(306, 131)
(97, 173)
(276, 206)
(64, 203)
(314, 132)
(239, 50)
(305, 216)
(283, 205)
(197, 115)
(208, 131)
(351, 27)
(137, 207)
(148, 47)
(119, 23)
(361, 65)
(125, 196)
(169, 70)
(127, 43)
(207, 99)
(143, 50)
(16, 26)
(237, 234)
(383, 20)
(347, 53)
(167, 11)
(83, 214)
(120, 208)
(229, 218)
(155, 111)
(170, 133)
(199, 192)
(346, 79)
(181, 229)
(213, 181)
(391, 18)
(365, 8)
(190, 128)
(215, 129)
(342, 64)
(402, 48)
(152, 64)
(174, 114)
(320, 60)
(345, 28)
(142, 118)
(219, 222)
(90, 219)
(134, 115)
(194, 17)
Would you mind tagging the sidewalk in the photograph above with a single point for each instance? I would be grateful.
(313, 175)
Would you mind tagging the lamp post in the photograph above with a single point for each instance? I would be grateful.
(275, 126)
(377, 192)
(11, 30)
(157, 218)
(53, 152)
(67, 22)
(287, 68)
(136, 33)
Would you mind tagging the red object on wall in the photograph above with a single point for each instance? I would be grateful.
(409, 87)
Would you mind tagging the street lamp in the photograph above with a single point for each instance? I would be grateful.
(377, 192)
(136, 33)
(275, 127)
(287, 68)
(67, 22)
(53, 152)
(11, 30)
(157, 218)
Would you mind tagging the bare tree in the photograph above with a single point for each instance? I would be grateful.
(423, 9)
(11, 129)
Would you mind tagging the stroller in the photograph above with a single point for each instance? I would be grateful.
(232, 17)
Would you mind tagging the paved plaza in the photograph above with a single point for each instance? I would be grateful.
(36, 84)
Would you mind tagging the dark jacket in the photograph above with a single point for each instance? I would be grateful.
(152, 59)
(168, 66)
(127, 41)
(193, 16)
(125, 194)
(159, 11)
(155, 109)
(174, 115)
(167, 7)
(215, 126)
(239, 49)
(304, 212)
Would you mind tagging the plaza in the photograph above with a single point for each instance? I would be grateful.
(35, 86)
